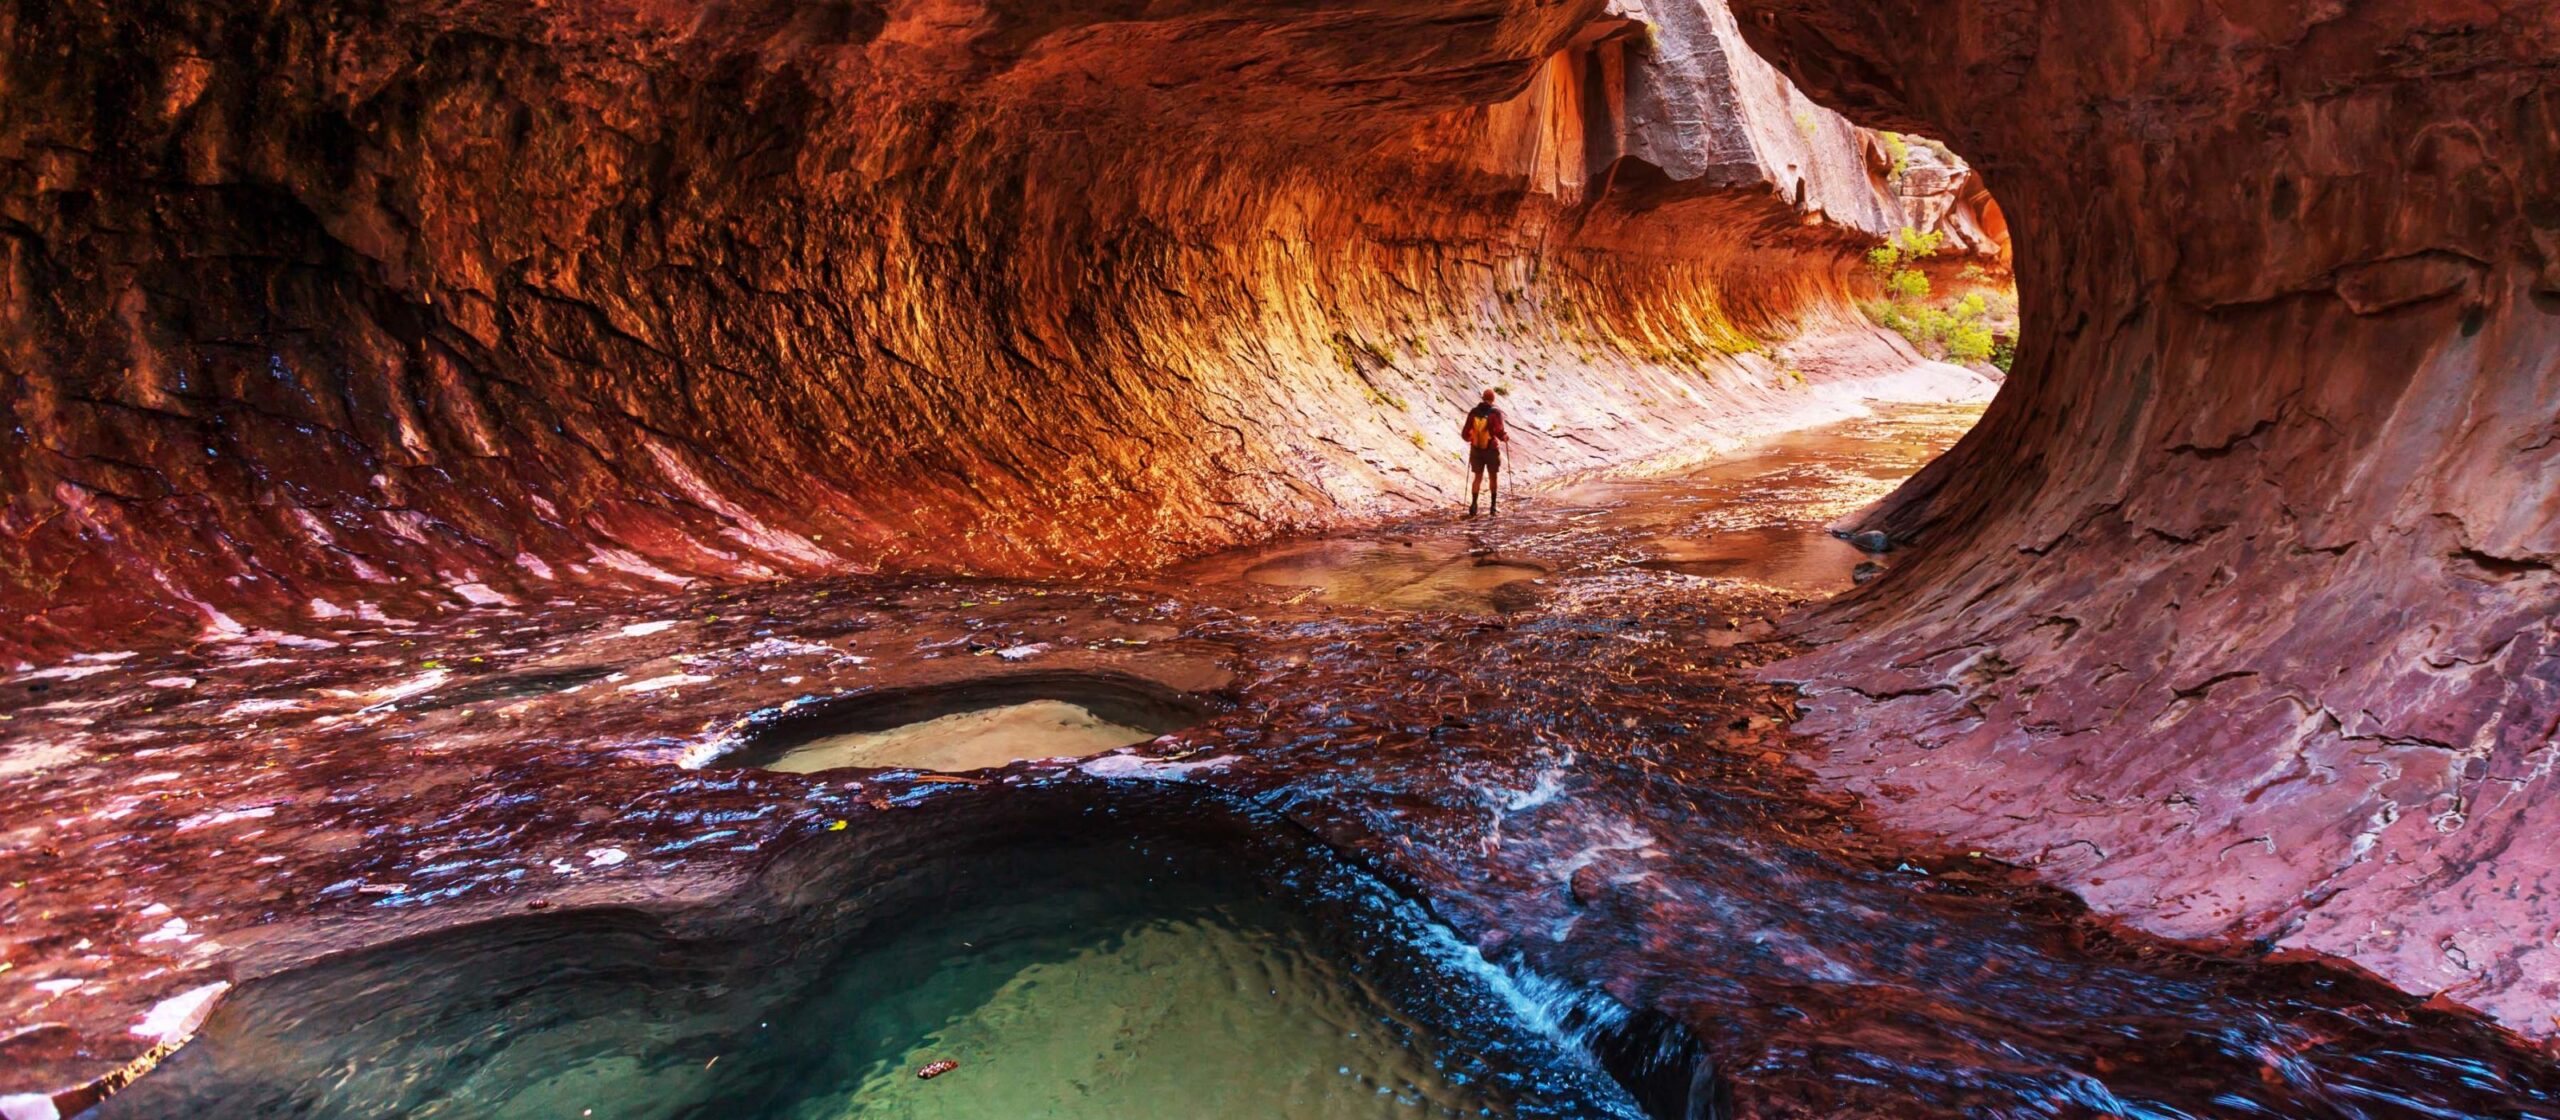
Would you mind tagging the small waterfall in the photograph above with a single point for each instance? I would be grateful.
(1663, 1067)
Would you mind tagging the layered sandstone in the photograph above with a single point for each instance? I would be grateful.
(2235, 611)
(313, 313)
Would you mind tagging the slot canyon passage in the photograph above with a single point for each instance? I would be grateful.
(504, 499)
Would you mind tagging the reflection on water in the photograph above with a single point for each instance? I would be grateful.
(1148, 956)
(1436, 575)
(976, 740)
(1765, 516)
(1794, 558)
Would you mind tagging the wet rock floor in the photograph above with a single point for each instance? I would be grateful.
(1567, 759)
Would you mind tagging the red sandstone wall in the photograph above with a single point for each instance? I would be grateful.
(318, 310)
(2235, 613)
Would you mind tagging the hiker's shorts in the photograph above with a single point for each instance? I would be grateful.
(1485, 458)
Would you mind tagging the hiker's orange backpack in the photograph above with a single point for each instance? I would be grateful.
(1479, 430)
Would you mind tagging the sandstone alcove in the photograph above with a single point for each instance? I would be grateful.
(432, 428)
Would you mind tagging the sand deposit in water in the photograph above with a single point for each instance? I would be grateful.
(972, 724)
(975, 740)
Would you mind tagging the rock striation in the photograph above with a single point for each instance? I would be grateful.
(315, 312)
(2235, 612)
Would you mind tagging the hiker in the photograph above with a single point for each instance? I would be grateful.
(1485, 436)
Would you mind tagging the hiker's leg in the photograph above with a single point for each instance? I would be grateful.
(1493, 488)
(1475, 485)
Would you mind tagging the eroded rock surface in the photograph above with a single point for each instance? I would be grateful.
(2234, 613)
(316, 312)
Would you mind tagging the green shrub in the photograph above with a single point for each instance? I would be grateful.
(1379, 399)
(1342, 354)
(1968, 341)
(1906, 244)
(1915, 244)
(1959, 333)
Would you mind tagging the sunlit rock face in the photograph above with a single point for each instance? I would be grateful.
(314, 311)
(2236, 608)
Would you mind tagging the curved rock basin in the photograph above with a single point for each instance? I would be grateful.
(1080, 953)
(1431, 575)
(969, 725)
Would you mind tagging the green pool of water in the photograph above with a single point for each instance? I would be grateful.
(1109, 958)
(1079, 1004)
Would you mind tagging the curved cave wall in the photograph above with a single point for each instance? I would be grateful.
(2235, 611)
(327, 311)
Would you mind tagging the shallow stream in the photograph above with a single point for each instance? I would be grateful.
(1409, 801)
